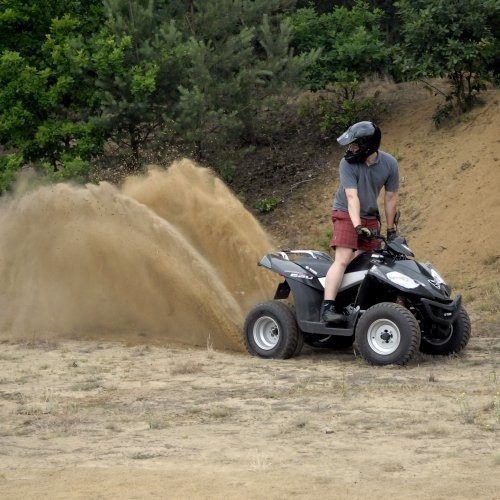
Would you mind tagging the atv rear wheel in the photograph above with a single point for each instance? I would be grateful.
(387, 333)
(271, 330)
(454, 340)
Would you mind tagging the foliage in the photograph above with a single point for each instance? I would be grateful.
(43, 103)
(227, 171)
(352, 48)
(452, 39)
(139, 75)
(240, 67)
(82, 81)
(351, 45)
(266, 205)
(325, 240)
(137, 61)
(74, 169)
(10, 164)
(338, 115)
(25, 25)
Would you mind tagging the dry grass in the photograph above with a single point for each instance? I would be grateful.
(112, 409)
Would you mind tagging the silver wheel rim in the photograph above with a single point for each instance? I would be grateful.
(266, 333)
(384, 337)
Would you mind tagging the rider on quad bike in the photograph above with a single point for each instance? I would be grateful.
(364, 171)
(375, 294)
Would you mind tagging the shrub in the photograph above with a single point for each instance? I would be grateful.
(265, 205)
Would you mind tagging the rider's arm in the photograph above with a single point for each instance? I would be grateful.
(353, 206)
(390, 206)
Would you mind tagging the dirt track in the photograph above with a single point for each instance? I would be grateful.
(105, 420)
(94, 418)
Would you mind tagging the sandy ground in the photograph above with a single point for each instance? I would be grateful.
(106, 420)
(103, 402)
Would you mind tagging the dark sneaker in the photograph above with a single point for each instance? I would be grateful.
(330, 315)
(333, 317)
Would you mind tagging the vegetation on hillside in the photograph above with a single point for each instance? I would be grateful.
(90, 83)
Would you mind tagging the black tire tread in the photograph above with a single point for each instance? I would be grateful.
(283, 314)
(457, 342)
(414, 335)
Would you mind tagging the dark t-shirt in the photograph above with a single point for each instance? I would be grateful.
(368, 180)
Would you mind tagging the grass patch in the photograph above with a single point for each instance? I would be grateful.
(467, 416)
(490, 299)
(210, 347)
(325, 240)
(87, 385)
(186, 368)
(156, 422)
(220, 412)
(142, 455)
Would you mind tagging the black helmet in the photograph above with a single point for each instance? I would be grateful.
(366, 135)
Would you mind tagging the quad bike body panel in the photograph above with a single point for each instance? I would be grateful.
(405, 298)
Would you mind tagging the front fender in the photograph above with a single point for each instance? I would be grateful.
(413, 280)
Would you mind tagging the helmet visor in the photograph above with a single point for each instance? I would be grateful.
(356, 131)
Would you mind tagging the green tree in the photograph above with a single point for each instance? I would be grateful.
(25, 24)
(352, 48)
(135, 74)
(351, 42)
(86, 84)
(40, 96)
(39, 105)
(452, 39)
(241, 66)
(138, 61)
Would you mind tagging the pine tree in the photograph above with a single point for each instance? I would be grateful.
(138, 59)
(240, 63)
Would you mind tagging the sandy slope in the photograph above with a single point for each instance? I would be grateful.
(449, 195)
(451, 184)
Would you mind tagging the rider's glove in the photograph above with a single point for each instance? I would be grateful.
(363, 231)
(391, 234)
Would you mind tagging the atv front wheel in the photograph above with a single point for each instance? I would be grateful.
(387, 333)
(451, 341)
(271, 330)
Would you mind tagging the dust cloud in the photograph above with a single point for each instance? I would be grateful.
(168, 257)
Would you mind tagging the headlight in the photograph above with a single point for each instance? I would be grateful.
(402, 280)
(437, 277)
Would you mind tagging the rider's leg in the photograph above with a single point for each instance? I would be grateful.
(334, 276)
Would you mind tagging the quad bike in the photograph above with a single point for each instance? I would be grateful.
(393, 306)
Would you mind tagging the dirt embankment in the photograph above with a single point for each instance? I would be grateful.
(449, 194)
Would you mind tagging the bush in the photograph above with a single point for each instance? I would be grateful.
(334, 114)
(351, 44)
(337, 114)
(10, 164)
(265, 205)
(455, 40)
(74, 169)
